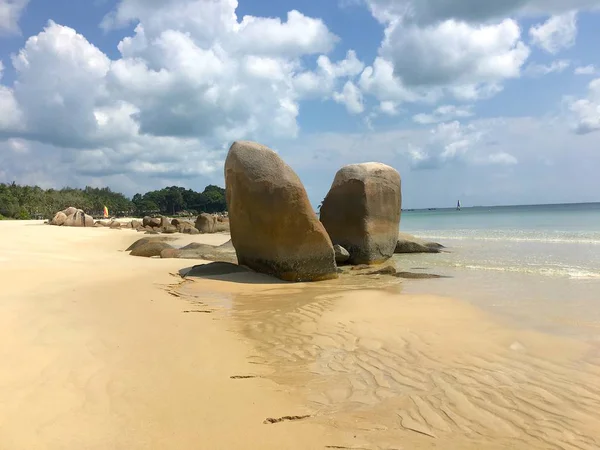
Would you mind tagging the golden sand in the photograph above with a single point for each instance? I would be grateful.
(103, 350)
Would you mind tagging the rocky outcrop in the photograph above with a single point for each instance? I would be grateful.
(273, 226)
(147, 240)
(361, 212)
(411, 244)
(72, 217)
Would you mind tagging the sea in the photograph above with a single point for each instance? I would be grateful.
(537, 264)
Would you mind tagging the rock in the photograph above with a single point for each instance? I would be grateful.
(411, 244)
(135, 224)
(182, 226)
(115, 225)
(222, 227)
(79, 219)
(169, 229)
(146, 240)
(361, 212)
(205, 223)
(69, 211)
(169, 253)
(341, 254)
(387, 270)
(273, 226)
(152, 222)
(150, 249)
(417, 275)
(164, 222)
(216, 269)
(192, 231)
(59, 219)
(225, 252)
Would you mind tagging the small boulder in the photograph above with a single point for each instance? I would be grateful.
(411, 244)
(135, 224)
(341, 254)
(115, 225)
(205, 223)
(150, 249)
(169, 229)
(361, 212)
(274, 228)
(146, 240)
(152, 222)
(164, 221)
(59, 219)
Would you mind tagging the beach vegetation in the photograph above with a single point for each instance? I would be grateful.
(33, 202)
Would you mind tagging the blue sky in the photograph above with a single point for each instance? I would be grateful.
(489, 102)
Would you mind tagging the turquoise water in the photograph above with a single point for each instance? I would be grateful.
(539, 263)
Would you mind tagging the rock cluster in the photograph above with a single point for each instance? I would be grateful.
(72, 217)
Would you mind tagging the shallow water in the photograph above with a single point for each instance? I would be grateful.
(540, 265)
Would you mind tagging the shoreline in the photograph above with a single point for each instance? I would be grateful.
(103, 354)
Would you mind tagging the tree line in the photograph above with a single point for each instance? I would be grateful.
(33, 202)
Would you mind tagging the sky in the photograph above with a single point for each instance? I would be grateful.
(489, 102)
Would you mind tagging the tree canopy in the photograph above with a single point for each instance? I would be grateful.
(30, 202)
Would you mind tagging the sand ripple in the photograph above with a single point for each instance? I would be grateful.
(397, 369)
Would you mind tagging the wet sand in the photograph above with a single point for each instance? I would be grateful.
(104, 350)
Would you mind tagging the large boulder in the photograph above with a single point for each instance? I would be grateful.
(411, 244)
(206, 223)
(361, 212)
(69, 211)
(79, 219)
(274, 228)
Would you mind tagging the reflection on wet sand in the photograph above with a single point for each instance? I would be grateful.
(400, 371)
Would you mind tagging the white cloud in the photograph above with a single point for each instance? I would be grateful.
(454, 52)
(586, 111)
(538, 70)
(350, 97)
(502, 158)
(322, 81)
(190, 79)
(586, 70)
(443, 113)
(10, 13)
(556, 34)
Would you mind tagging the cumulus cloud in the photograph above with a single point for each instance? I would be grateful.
(10, 13)
(444, 113)
(538, 70)
(586, 111)
(189, 79)
(455, 52)
(556, 34)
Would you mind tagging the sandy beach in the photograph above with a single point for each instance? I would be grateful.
(104, 350)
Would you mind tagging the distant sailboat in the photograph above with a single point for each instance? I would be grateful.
(458, 206)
